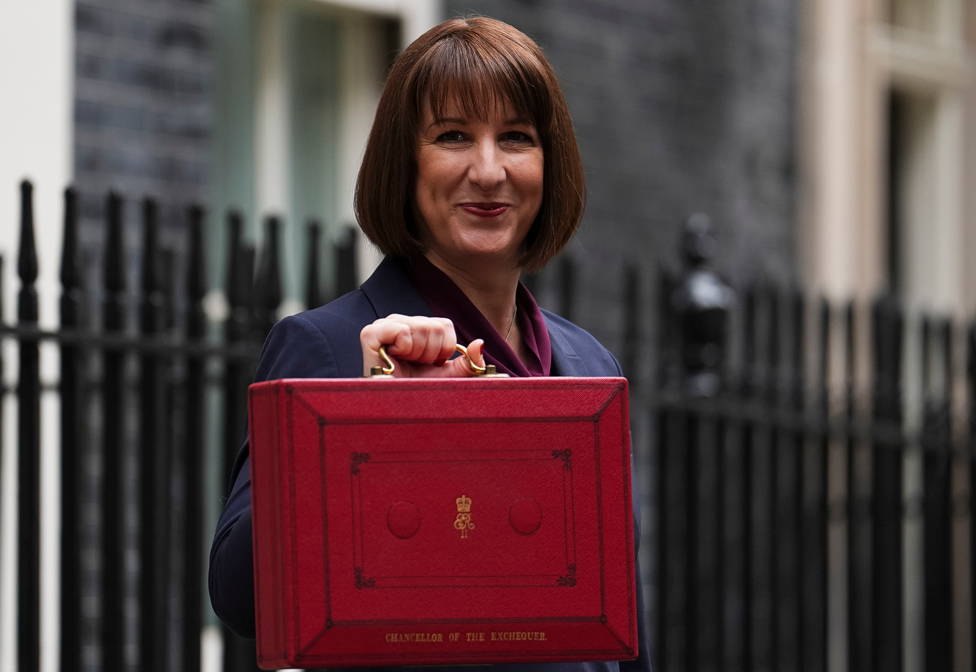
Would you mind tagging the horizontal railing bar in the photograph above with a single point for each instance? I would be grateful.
(135, 343)
(95, 384)
(809, 423)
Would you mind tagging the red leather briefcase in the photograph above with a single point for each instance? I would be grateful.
(453, 521)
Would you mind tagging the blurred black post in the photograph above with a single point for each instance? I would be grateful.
(113, 441)
(813, 655)
(971, 452)
(661, 652)
(749, 389)
(193, 452)
(937, 500)
(28, 453)
(240, 654)
(267, 282)
(73, 431)
(859, 614)
(346, 273)
(888, 487)
(240, 283)
(313, 283)
(154, 463)
(2, 395)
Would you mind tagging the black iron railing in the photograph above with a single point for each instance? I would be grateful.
(135, 401)
(791, 464)
(773, 434)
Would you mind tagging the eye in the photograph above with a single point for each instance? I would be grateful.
(517, 138)
(451, 137)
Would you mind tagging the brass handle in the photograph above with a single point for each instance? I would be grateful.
(387, 370)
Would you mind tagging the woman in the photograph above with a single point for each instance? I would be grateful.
(470, 176)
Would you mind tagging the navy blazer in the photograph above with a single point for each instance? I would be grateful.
(324, 343)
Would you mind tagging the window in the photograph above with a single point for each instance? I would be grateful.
(297, 86)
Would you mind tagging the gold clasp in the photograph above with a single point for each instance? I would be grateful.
(487, 371)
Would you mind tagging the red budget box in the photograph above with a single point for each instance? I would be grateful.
(455, 521)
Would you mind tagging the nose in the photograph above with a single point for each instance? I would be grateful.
(487, 168)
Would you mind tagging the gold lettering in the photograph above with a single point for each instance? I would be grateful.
(395, 637)
(518, 637)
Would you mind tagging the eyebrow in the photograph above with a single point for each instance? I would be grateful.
(458, 120)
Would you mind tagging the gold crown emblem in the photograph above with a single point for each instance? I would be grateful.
(463, 504)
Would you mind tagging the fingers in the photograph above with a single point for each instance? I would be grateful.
(417, 340)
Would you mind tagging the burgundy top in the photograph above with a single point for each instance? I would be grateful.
(445, 299)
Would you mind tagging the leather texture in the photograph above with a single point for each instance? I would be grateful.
(486, 521)
(324, 343)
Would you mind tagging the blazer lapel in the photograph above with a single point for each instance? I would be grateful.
(565, 361)
(389, 291)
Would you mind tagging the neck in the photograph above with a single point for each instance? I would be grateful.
(492, 291)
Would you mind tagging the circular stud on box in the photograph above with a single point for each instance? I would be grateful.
(403, 519)
(525, 515)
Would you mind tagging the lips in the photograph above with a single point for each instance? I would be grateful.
(485, 209)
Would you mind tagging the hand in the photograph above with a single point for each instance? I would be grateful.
(421, 347)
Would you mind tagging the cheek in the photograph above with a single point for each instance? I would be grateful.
(531, 176)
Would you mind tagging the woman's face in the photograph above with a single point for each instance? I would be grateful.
(479, 185)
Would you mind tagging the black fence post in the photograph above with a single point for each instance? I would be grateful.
(789, 452)
(73, 446)
(113, 442)
(267, 283)
(750, 387)
(154, 463)
(937, 500)
(859, 516)
(240, 654)
(346, 276)
(815, 516)
(313, 289)
(28, 454)
(888, 488)
(193, 451)
(240, 284)
(971, 452)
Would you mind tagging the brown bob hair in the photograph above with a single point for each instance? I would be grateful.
(479, 63)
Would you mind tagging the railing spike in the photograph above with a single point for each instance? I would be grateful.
(115, 246)
(235, 290)
(346, 279)
(27, 257)
(113, 442)
(73, 445)
(71, 274)
(28, 425)
(196, 285)
(267, 294)
(151, 280)
(313, 292)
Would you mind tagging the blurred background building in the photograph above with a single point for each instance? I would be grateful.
(833, 142)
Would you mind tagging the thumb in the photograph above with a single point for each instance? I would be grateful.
(475, 352)
(458, 367)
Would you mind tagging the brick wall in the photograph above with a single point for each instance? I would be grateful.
(679, 106)
(143, 86)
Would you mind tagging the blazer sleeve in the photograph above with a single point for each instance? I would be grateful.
(295, 348)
